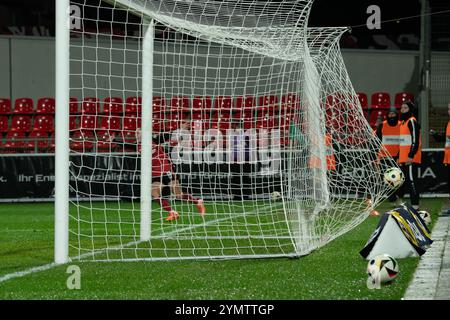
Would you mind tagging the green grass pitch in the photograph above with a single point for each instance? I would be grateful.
(335, 271)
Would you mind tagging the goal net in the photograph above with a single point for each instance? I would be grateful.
(213, 129)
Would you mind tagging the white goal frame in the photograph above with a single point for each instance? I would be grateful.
(320, 85)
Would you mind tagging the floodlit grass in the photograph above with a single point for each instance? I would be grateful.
(335, 271)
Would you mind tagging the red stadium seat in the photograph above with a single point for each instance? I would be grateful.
(133, 105)
(21, 123)
(38, 141)
(266, 123)
(180, 103)
(90, 105)
(166, 126)
(45, 106)
(201, 103)
(159, 126)
(113, 105)
(175, 116)
(88, 122)
(363, 100)
(290, 102)
(403, 97)
(44, 123)
(224, 114)
(82, 141)
(159, 105)
(380, 100)
(131, 123)
(268, 100)
(336, 101)
(5, 106)
(74, 106)
(14, 142)
(105, 141)
(23, 106)
(4, 124)
(246, 115)
(126, 141)
(248, 124)
(223, 103)
(221, 125)
(268, 104)
(159, 108)
(73, 122)
(245, 103)
(128, 137)
(112, 123)
(199, 115)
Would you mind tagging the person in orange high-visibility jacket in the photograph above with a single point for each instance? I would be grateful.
(445, 138)
(389, 134)
(410, 152)
(388, 131)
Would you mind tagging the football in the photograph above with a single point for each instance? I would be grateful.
(275, 195)
(426, 216)
(383, 268)
(394, 177)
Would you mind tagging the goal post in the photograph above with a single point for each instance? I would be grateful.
(261, 148)
(146, 133)
(61, 252)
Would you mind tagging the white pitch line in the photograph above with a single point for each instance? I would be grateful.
(20, 274)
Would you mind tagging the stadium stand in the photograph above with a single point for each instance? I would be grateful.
(113, 123)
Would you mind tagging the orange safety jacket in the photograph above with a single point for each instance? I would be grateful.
(447, 144)
(390, 138)
(406, 142)
(315, 162)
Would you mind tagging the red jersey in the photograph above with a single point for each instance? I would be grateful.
(160, 161)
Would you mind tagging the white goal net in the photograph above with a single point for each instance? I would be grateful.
(213, 129)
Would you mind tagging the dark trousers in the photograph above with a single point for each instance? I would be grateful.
(411, 182)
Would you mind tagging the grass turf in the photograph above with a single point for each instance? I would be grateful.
(335, 271)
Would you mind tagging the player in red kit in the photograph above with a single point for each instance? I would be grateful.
(161, 180)
(164, 181)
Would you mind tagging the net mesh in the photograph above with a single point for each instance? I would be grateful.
(254, 113)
